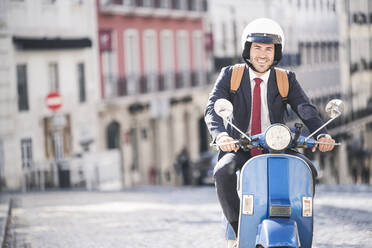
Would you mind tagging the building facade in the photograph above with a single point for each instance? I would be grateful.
(46, 46)
(154, 82)
(355, 57)
(134, 76)
(328, 45)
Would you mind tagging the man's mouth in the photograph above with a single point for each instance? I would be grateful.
(262, 61)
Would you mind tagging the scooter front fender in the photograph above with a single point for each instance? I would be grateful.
(278, 233)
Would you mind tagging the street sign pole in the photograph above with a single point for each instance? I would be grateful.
(58, 123)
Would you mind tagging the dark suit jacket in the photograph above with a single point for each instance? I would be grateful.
(297, 99)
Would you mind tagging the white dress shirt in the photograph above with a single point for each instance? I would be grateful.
(265, 119)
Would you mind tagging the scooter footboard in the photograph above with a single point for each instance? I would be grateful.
(278, 233)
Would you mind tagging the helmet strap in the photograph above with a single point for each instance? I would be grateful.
(248, 62)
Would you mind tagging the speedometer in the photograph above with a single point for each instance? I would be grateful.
(278, 137)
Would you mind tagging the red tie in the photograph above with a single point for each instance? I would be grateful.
(256, 114)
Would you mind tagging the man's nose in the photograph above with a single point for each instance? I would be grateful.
(262, 54)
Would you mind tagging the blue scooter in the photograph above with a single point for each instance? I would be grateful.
(276, 189)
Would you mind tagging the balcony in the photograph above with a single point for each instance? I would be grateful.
(176, 9)
(133, 85)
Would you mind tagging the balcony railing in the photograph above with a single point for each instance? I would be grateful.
(150, 83)
(160, 8)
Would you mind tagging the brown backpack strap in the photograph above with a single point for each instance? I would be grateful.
(236, 77)
(282, 82)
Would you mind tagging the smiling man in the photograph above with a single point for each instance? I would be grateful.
(257, 104)
(262, 57)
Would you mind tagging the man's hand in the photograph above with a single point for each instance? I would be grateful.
(229, 147)
(323, 147)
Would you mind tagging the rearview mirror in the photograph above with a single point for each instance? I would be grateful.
(334, 108)
(223, 108)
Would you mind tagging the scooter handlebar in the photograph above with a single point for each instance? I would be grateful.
(258, 141)
(310, 143)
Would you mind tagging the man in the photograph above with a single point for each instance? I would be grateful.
(257, 104)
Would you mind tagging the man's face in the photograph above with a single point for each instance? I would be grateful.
(262, 56)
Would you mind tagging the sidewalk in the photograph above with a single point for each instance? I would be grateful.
(5, 204)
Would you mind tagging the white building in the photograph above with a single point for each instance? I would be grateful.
(45, 46)
(312, 38)
(356, 65)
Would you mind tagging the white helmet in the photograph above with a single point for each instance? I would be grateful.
(263, 30)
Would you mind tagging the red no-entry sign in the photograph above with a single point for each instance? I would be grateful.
(53, 101)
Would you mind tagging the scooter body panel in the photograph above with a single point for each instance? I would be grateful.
(278, 232)
(274, 185)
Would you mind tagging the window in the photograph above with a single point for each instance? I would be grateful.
(308, 53)
(180, 4)
(113, 135)
(49, 2)
(108, 73)
(150, 59)
(26, 151)
(336, 51)
(2, 163)
(129, 2)
(165, 4)
(198, 56)
(301, 51)
(316, 53)
(224, 38)
(192, 5)
(167, 58)
(330, 52)
(132, 63)
(108, 56)
(177, 4)
(81, 80)
(53, 77)
(323, 52)
(147, 3)
(334, 6)
(183, 58)
(22, 88)
(205, 5)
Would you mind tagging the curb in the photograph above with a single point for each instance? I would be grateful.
(4, 223)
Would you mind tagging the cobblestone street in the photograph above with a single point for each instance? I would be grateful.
(168, 218)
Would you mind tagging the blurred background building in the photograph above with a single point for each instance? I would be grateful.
(355, 21)
(154, 76)
(134, 76)
(46, 46)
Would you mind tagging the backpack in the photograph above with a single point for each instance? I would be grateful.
(281, 81)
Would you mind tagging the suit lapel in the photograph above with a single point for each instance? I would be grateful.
(246, 89)
(271, 93)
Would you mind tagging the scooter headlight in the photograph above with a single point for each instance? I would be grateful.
(278, 137)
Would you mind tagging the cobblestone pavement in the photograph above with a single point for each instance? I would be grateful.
(160, 217)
